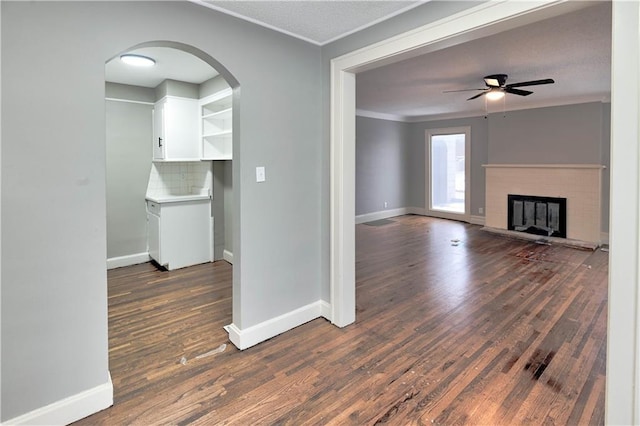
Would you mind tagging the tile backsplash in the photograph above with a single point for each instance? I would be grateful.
(179, 178)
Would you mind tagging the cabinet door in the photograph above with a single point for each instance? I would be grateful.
(159, 137)
(154, 237)
(181, 129)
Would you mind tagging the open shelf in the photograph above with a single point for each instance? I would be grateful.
(216, 115)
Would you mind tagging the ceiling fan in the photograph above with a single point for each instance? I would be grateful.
(497, 87)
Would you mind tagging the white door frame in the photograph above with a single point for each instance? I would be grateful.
(428, 208)
(623, 366)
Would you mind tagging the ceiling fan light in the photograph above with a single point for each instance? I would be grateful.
(492, 82)
(137, 60)
(494, 95)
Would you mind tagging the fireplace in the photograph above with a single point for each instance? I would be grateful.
(546, 216)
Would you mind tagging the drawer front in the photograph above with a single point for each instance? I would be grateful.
(153, 207)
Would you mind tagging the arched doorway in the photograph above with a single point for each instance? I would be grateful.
(195, 79)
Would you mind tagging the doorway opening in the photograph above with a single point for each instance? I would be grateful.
(164, 176)
(479, 21)
(448, 172)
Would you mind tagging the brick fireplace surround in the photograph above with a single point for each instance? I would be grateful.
(580, 184)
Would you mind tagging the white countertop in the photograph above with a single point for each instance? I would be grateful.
(177, 198)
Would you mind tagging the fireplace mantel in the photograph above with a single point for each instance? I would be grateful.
(580, 184)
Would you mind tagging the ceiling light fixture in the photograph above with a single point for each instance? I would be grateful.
(137, 60)
(495, 94)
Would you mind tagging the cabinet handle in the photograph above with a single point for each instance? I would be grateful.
(159, 142)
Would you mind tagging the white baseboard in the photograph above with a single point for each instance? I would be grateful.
(228, 256)
(604, 238)
(325, 310)
(253, 335)
(384, 214)
(368, 217)
(416, 210)
(476, 220)
(70, 409)
(132, 259)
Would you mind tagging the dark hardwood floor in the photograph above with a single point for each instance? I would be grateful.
(491, 331)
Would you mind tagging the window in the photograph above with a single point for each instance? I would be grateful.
(447, 177)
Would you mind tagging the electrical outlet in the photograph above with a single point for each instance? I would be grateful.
(385, 204)
(480, 210)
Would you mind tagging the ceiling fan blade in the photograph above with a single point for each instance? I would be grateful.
(517, 91)
(531, 83)
(461, 90)
(476, 96)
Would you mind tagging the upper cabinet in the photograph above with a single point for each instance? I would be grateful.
(215, 126)
(175, 130)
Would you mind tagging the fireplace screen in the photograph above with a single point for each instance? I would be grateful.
(545, 216)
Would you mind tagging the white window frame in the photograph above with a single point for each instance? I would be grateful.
(429, 210)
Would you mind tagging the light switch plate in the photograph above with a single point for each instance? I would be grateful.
(260, 174)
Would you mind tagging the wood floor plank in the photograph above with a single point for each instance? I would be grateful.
(485, 330)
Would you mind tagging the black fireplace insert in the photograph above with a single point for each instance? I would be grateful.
(546, 216)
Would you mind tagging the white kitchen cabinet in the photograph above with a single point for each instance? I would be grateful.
(216, 116)
(180, 230)
(175, 130)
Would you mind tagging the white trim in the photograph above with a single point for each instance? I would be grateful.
(429, 133)
(325, 309)
(301, 37)
(368, 217)
(369, 24)
(479, 113)
(342, 203)
(254, 21)
(529, 105)
(544, 166)
(381, 116)
(70, 409)
(224, 93)
(478, 21)
(417, 210)
(250, 336)
(131, 259)
(129, 101)
(622, 398)
(384, 214)
(476, 220)
(227, 255)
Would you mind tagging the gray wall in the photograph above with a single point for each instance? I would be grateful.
(54, 298)
(222, 184)
(390, 162)
(180, 89)
(570, 134)
(211, 86)
(228, 204)
(222, 207)
(606, 161)
(382, 164)
(479, 143)
(128, 162)
(417, 17)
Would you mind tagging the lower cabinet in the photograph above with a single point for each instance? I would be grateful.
(180, 232)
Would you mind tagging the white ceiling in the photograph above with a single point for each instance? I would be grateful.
(574, 49)
(318, 22)
(170, 64)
